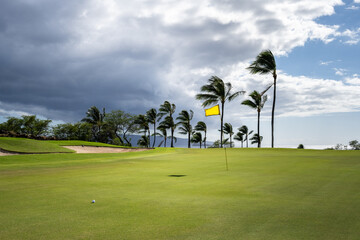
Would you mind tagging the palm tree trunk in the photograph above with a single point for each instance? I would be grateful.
(242, 144)
(258, 128)
(154, 134)
(247, 140)
(272, 114)
(200, 143)
(205, 140)
(189, 146)
(230, 140)
(222, 127)
(165, 141)
(172, 137)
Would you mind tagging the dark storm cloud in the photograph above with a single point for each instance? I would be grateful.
(37, 22)
(37, 68)
(58, 58)
(270, 25)
(256, 6)
(39, 65)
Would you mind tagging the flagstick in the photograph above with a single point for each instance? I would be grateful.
(226, 161)
(227, 168)
(216, 111)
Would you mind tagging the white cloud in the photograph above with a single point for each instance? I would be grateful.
(340, 71)
(326, 62)
(105, 24)
(355, 80)
(307, 96)
(352, 36)
(352, 7)
(356, 1)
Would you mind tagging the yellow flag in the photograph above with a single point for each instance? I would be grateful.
(215, 110)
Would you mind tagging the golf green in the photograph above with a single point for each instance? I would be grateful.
(182, 194)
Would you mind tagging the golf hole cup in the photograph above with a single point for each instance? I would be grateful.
(93, 201)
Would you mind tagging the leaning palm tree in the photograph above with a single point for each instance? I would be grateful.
(265, 64)
(245, 131)
(201, 126)
(96, 119)
(228, 129)
(184, 119)
(256, 139)
(217, 91)
(239, 137)
(144, 141)
(197, 138)
(168, 123)
(163, 133)
(151, 116)
(168, 109)
(143, 124)
(257, 103)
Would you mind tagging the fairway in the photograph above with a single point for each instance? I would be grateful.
(182, 194)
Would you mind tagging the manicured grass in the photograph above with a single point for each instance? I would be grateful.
(24, 145)
(266, 194)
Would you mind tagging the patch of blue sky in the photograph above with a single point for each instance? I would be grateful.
(316, 59)
(335, 60)
(346, 16)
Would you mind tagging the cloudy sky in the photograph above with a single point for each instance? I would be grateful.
(58, 58)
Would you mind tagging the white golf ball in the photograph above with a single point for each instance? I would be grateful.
(93, 201)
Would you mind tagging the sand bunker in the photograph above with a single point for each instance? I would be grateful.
(88, 149)
(6, 153)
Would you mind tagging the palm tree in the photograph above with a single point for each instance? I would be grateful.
(265, 64)
(239, 137)
(143, 123)
(151, 116)
(256, 138)
(217, 91)
(144, 141)
(163, 133)
(245, 131)
(96, 118)
(228, 129)
(257, 103)
(168, 123)
(197, 138)
(185, 118)
(201, 126)
(168, 109)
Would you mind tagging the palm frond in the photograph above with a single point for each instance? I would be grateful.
(235, 95)
(206, 96)
(209, 102)
(266, 89)
(228, 129)
(249, 103)
(264, 63)
(200, 126)
(239, 136)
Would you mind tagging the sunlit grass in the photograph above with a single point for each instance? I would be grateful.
(182, 194)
